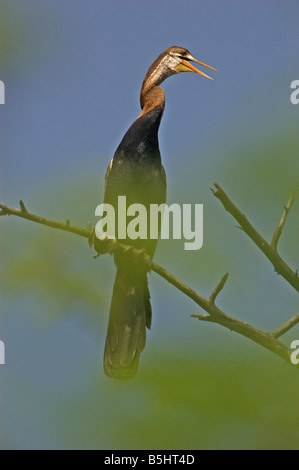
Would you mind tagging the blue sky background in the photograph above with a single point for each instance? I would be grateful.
(73, 72)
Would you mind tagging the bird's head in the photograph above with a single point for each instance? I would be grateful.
(172, 61)
(177, 60)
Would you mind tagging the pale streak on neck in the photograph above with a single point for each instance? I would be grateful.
(161, 69)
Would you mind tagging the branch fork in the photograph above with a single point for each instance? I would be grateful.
(213, 313)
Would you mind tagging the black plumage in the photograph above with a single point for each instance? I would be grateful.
(138, 174)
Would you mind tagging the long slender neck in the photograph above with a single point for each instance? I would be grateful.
(151, 95)
(150, 82)
(160, 69)
(152, 98)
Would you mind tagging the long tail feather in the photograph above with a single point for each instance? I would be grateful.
(130, 314)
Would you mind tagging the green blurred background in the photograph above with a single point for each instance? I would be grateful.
(73, 72)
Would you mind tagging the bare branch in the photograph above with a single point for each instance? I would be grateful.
(215, 315)
(24, 214)
(266, 340)
(279, 229)
(279, 264)
(286, 327)
(3, 210)
(218, 288)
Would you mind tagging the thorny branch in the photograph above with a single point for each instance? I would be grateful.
(269, 250)
(214, 314)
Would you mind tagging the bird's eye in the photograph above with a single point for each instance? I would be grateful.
(179, 56)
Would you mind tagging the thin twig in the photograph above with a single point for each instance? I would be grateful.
(279, 229)
(286, 327)
(279, 264)
(202, 317)
(24, 214)
(218, 288)
(22, 206)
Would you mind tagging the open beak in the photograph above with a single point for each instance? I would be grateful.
(194, 69)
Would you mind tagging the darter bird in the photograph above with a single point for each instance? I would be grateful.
(136, 172)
